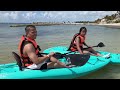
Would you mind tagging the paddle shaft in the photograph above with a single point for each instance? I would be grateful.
(94, 46)
(99, 45)
(59, 53)
(71, 51)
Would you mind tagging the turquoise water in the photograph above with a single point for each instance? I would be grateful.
(49, 36)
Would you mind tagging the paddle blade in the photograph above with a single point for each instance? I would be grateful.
(78, 59)
(58, 55)
(100, 44)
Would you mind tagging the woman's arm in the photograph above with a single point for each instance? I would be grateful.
(85, 44)
(78, 45)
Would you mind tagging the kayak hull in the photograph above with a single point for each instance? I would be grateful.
(11, 70)
(114, 57)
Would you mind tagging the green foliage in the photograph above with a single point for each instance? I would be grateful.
(98, 20)
(112, 17)
(83, 21)
(117, 21)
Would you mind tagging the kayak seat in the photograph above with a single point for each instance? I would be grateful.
(18, 60)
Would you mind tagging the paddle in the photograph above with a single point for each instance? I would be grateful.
(77, 59)
(58, 55)
(99, 45)
(73, 59)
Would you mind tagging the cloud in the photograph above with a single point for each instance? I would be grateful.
(74, 15)
(8, 15)
(51, 16)
(29, 15)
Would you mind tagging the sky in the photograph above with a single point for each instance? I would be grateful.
(51, 16)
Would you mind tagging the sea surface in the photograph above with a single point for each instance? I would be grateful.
(57, 35)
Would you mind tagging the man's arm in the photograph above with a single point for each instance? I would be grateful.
(30, 51)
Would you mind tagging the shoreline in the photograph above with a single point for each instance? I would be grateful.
(45, 24)
(111, 25)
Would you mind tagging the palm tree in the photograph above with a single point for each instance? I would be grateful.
(118, 14)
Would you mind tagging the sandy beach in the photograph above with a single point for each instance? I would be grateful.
(111, 25)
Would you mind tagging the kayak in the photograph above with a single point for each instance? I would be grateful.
(93, 64)
(11, 70)
(114, 57)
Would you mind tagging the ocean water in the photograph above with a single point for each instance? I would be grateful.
(49, 36)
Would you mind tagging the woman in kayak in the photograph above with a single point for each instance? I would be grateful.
(29, 52)
(79, 40)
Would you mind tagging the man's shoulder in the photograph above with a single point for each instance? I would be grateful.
(29, 48)
(27, 42)
(78, 36)
(28, 45)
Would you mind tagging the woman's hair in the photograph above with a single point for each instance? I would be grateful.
(82, 28)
